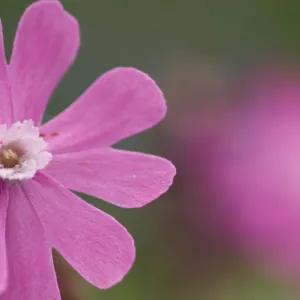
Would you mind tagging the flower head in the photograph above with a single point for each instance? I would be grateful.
(247, 157)
(39, 163)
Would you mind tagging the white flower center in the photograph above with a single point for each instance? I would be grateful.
(22, 151)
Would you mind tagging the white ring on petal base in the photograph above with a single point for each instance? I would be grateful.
(24, 141)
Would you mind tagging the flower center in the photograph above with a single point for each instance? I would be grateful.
(22, 151)
(9, 158)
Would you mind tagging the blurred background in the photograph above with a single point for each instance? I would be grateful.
(229, 228)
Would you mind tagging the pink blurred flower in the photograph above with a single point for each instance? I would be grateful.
(245, 160)
(39, 163)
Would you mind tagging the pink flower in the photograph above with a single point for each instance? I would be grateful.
(247, 159)
(39, 163)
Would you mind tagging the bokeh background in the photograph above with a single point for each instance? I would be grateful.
(196, 50)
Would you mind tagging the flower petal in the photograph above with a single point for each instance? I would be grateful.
(121, 103)
(3, 255)
(126, 179)
(94, 243)
(5, 99)
(45, 46)
(31, 271)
